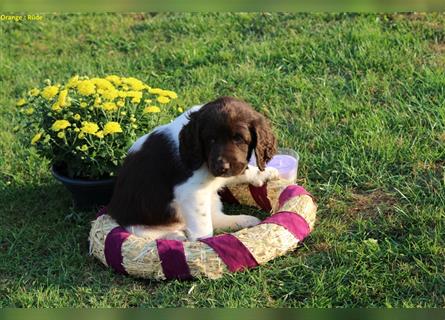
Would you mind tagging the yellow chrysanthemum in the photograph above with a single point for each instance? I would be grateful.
(97, 101)
(134, 83)
(86, 87)
(135, 100)
(61, 134)
(76, 129)
(180, 110)
(73, 82)
(112, 127)
(170, 94)
(62, 98)
(60, 125)
(84, 147)
(34, 92)
(83, 104)
(120, 103)
(100, 134)
(50, 92)
(115, 79)
(36, 138)
(76, 117)
(163, 99)
(56, 106)
(123, 113)
(110, 94)
(102, 83)
(156, 90)
(81, 135)
(152, 109)
(20, 102)
(134, 94)
(109, 106)
(29, 111)
(89, 127)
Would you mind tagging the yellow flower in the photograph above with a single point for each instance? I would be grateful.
(163, 99)
(132, 119)
(83, 104)
(73, 82)
(62, 98)
(112, 127)
(29, 111)
(76, 117)
(110, 94)
(109, 106)
(86, 87)
(135, 100)
(56, 106)
(123, 113)
(147, 100)
(84, 147)
(97, 101)
(121, 103)
(155, 90)
(151, 109)
(34, 92)
(20, 102)
(50, 92)
(134, 83)
(76, 129)
(81, 135)
(115, 79)
(61, 134)
(134, 94)
(180, 109)
(60, 125)
(102, 83)
(100, 134)
(36, 138)
(89, 127)
(170, 94)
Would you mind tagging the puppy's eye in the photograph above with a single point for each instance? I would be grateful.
(238, 138)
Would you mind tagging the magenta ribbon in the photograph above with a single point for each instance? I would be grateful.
(232, 252)
(173, 261)
(292, 221)
(113, 248)
(259, 194)
(291, 191)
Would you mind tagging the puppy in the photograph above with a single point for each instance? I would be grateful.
(169, 182)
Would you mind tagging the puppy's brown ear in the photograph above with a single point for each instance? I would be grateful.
(265, 144)
(190, 146)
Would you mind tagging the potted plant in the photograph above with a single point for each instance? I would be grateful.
(86, 126)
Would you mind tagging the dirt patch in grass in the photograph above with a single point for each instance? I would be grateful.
(371, 205)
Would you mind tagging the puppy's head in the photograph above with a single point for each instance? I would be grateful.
(223, 134)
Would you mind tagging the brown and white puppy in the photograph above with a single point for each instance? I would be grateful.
(169, 181)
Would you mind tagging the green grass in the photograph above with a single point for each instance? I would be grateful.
(361, 97)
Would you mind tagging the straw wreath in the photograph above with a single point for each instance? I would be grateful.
(293, 218)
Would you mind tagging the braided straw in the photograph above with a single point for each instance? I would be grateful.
(266, 241)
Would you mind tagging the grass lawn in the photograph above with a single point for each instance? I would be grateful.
(361, 97)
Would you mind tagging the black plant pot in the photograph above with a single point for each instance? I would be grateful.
(86, 194)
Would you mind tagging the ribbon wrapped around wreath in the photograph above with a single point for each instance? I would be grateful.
(293, 215)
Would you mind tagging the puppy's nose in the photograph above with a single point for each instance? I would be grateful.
(223, 166)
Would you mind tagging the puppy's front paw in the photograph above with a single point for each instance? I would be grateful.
(268, 174)
(271, 173)
(245, 221)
